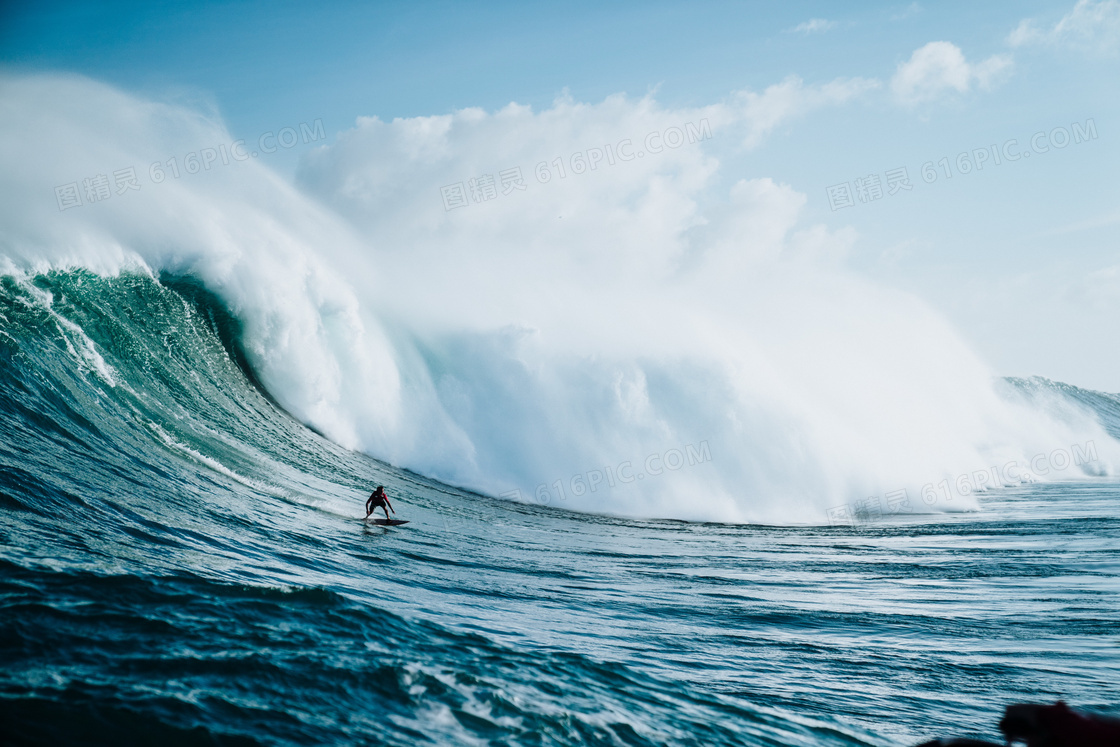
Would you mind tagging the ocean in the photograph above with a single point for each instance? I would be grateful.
(186, 563)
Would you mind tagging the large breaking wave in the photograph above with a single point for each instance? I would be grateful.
(560, 332)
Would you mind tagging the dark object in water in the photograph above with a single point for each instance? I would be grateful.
(1058, 725)
(1055, 725)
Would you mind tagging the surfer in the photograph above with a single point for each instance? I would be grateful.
(378, 498)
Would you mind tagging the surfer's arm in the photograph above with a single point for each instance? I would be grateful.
(390, 505)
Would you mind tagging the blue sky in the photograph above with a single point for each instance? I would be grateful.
(265, 62)
(1021, 256)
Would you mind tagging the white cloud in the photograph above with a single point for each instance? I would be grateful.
(762, 112)
(812, 26)
(1090, 25)
(991, 70)
(378, 167)
(911, 10)
(939, 67)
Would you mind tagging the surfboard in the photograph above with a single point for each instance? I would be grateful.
(390, 522)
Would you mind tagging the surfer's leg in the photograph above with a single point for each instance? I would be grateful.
(386, 510)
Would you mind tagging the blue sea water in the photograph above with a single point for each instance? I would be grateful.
(184, 563)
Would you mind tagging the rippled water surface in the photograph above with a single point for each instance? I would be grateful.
(182, 561)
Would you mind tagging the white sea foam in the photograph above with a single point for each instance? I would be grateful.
(78, 344)
(552, 332)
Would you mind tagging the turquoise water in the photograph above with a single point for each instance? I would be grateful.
(185, 562)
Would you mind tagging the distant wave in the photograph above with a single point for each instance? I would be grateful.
(1104, 405)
